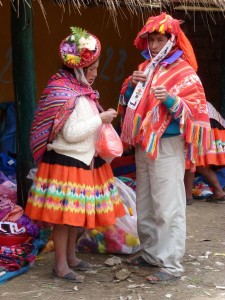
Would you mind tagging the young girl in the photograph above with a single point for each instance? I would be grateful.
(73, 187)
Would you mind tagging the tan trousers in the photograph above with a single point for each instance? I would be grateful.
(161, 205)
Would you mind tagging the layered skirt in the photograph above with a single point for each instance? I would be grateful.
(67, 191)
(216, 155)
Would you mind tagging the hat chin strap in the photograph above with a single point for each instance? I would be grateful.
(79, 73)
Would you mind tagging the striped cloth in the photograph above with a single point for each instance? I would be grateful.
(55, 106)
(216, 154)
(214, 114)
(152, 117)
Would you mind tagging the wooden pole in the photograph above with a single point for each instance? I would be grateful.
(24, 89)
(222, 103)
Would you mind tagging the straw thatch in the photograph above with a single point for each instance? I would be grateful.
(134, 7)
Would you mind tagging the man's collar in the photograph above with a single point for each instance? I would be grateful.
(167, 61)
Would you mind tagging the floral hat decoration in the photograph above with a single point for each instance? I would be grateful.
(80, 49)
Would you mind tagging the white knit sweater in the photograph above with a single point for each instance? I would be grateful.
(77, 138)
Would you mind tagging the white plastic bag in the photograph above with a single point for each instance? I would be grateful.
(121, 238)
(128, 222)
(32, 173)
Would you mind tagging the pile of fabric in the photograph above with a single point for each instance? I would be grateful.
(124, 168)
(202, 188)
(19, 236)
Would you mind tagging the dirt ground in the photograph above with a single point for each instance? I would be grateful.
(203, 278)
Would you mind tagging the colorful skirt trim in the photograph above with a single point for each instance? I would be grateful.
(66, 191)
(216, 155)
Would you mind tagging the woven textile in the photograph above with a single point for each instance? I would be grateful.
(152, 117)
(55, 106)
(66, 191)
(216, 154)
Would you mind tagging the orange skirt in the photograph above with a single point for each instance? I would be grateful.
(66, 191)
(216, 155)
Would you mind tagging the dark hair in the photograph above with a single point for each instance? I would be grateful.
(70, 70)
(167, 34)
(85, 68)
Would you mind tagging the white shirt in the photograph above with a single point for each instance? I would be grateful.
(78, 135)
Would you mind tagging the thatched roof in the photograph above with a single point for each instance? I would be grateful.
(134, 7)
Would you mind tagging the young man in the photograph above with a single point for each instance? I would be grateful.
(164, 116)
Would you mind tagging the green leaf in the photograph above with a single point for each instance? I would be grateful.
(78, 33)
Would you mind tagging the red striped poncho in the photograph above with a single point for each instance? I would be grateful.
(151, 117)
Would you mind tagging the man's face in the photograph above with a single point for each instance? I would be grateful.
(156, 41)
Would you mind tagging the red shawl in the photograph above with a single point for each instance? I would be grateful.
(151, 117)
(56, 104)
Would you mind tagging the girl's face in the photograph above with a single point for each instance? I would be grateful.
(91, 73)
(156, 41)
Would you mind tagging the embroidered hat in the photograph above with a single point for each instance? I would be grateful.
(80, 49)
(164, 23)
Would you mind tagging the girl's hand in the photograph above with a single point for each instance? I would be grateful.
(108, 116)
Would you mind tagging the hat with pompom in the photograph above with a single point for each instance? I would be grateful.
(80, 49)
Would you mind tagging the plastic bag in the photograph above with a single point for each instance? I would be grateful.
(121, 238)
(108, 144)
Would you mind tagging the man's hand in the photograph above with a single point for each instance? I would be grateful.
(160, 93)
(136, 77)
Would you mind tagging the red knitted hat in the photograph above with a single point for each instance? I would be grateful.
(165, 23)
(80, 49)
